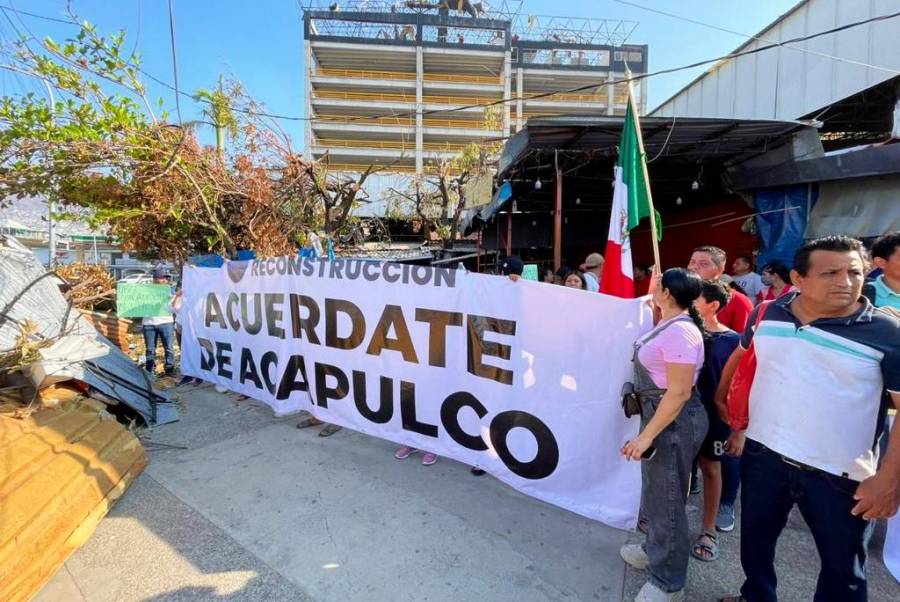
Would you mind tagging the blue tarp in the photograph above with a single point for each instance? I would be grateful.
(782, 214)
(217, 261)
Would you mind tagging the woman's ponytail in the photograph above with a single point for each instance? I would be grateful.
(695, 316)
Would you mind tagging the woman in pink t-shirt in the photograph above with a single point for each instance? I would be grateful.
(667, 363)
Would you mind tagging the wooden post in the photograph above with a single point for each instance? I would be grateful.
(478, 256)
(509, 232)
(557, 219)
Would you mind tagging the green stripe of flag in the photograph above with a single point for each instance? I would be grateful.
(631, 161)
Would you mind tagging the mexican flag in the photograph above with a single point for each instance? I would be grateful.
(631, 203)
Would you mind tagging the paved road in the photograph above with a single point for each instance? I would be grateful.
(253, 509)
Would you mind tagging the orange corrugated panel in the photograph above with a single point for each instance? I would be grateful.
(60, 471)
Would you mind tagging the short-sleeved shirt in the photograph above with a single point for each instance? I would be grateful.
(680, 343)
(718, 350)
(592, 282)
(768, 293)
(885, 296)
(818, 388)
(735, 314)
(751, 283)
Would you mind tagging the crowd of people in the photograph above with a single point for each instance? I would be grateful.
(820, 343)
(824, 339)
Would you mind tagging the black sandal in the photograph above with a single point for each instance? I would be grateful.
(703, 551)
(329, 430)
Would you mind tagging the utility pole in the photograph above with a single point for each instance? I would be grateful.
(51, 200)
(51, 207)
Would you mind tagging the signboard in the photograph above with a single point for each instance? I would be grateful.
(143, 300)
(517, 378)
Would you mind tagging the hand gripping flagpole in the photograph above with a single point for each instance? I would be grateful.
(637, 124)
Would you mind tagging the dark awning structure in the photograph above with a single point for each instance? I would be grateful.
(564, 165)
(689, 139)
(870, 161)
(585, 149)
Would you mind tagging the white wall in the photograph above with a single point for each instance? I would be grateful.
(784, 83)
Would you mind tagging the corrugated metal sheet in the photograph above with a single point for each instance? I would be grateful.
(60, 471)
(26, 293)
(790, 82)
(112, 327)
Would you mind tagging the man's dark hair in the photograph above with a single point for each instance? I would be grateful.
(840, 244)
(779, 269)
(717, 254)
(885, 246)
(747, 259)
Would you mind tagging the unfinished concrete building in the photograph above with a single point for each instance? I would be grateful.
(405, 84)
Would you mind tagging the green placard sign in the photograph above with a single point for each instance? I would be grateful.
(530, 272)
(143, 300)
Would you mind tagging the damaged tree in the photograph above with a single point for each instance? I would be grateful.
(96, 143)
(439, 199)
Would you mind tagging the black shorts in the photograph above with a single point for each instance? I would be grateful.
(713, 447)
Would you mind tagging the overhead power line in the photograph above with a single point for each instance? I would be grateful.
(44, 17)
(535, 96)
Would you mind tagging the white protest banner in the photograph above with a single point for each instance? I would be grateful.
(522, 379)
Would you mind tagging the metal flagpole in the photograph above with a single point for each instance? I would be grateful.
(640, 137)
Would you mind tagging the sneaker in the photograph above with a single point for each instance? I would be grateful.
(221, 389)
(635, 556)
(477, 471)
(725, 518)
(428, 459)
(404, 452)
(185, 380)
(651, 593)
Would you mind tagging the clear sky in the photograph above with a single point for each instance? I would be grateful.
(260, 42)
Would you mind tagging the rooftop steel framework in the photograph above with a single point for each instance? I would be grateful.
(524, 26)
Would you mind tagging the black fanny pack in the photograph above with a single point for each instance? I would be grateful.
(631, 401)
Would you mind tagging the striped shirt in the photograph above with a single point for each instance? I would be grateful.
(817, 392)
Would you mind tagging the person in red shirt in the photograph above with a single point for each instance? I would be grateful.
(641, 280)
(777, 278)
(709, 263)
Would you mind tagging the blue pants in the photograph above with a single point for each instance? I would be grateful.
(771, 487)
(166, 334)
(731, 480)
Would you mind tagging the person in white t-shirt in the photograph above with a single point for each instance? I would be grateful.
(746, 278)
(160, 328)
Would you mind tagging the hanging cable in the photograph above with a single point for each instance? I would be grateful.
(526, 97)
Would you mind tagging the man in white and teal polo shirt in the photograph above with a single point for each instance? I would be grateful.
(825, 357)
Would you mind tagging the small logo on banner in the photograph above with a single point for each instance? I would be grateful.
(236, 270)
